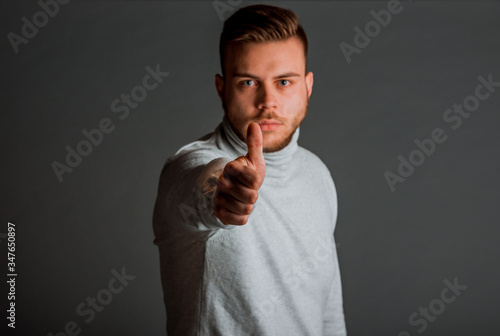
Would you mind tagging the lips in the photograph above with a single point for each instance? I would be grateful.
(268, 122)
(268, 125)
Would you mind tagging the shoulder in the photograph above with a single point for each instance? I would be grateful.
(314, 166)
(194, 154)
(311, 160)
(181, 170)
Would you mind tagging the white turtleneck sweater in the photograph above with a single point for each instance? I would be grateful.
(276, 275)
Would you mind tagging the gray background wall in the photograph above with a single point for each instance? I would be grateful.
(396, 248)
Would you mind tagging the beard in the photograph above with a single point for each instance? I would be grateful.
(239, 125)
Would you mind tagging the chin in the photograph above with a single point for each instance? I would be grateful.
(274, 145)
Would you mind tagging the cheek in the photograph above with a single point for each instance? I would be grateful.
(241, 103)
(243, 97)
(295, 102)
(294, 96)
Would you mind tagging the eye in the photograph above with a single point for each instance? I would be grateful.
(284, 82)
(248, 82)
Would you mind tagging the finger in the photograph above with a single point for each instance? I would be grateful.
(239, 171)
(229, 218)
(232, 204)
(254, 144)
(236, 189)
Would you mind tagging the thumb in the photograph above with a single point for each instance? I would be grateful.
(254, 144)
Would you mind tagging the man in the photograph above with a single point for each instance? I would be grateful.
(244, 218)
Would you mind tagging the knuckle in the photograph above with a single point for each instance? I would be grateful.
(254, 183)
(239, 160)
(244, 220)
(253, 179)
(248, 209)
(239, 220)
(253, 197)
(229, 166)
(233, 167)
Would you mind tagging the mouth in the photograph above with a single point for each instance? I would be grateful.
(268, 125)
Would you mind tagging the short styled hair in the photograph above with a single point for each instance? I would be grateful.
(260, 23)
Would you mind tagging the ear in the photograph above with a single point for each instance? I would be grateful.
(219, 85)
(309, 83)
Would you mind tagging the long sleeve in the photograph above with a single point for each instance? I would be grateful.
(183, 219)
(333, 319)
(185, 195)
(204, 193)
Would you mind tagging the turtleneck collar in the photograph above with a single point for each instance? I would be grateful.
(275, 161)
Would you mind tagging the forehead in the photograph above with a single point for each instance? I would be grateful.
(265, 58)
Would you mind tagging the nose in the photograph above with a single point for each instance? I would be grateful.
(266, 98)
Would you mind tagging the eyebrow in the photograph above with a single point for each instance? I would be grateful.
(249, 75)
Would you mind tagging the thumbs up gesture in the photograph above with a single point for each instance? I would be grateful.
(238, 185)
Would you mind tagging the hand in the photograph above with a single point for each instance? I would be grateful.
(238, 185)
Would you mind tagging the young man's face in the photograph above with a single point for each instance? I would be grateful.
(266, 83)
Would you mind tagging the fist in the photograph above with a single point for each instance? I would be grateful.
(238, 185)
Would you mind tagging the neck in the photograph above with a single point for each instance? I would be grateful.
(276, 161)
